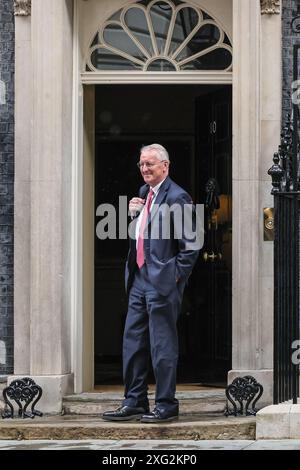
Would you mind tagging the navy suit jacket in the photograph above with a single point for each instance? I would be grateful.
(169, 259)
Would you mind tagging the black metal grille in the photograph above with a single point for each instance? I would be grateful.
(286, 190)
(286, 296)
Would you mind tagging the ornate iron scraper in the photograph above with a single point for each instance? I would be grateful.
(243, 389)
(22, 391)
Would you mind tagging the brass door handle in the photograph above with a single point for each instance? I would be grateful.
(212, 257)
(268, 224)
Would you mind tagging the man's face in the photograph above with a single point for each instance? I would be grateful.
(152, 169)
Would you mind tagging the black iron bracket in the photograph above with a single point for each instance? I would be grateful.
(22, 391)
(243, 389)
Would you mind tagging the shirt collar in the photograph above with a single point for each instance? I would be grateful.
(155, 189)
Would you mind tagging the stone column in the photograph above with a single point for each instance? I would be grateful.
(47, 355)
(22, 216)
(256, 98)
(271, 101)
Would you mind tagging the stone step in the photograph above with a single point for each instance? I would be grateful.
(210, 426)
(190, 402)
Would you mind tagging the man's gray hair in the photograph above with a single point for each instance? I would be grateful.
(161, 152)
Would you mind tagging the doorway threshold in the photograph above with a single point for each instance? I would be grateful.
(192, 400)
(193, 387)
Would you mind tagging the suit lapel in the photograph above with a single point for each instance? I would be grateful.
(160, 198)
(144, 191)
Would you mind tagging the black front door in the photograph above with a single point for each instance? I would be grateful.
(191, 122)
(214, 271)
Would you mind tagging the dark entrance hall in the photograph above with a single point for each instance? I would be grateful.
(194, 123)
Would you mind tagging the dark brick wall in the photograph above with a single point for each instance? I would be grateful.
(288, 39)
(6, 184)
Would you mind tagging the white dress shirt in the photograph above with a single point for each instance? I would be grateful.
(155, 189)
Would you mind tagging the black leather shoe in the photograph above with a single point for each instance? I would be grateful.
(124, 413)
(158, 416)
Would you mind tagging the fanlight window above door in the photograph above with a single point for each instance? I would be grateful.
(160, 36)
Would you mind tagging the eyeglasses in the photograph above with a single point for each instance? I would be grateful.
(149, 165)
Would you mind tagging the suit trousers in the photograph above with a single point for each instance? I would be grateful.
(151, 332)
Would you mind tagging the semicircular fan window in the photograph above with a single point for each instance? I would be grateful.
(160, 35)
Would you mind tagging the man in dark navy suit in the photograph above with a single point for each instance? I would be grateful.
(160, 260)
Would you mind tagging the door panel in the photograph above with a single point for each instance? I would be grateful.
(214, 266)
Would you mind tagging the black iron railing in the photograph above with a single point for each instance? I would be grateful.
(285, 174)
(286, 296)
(286, 268)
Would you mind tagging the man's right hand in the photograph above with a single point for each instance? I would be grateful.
(136, 204)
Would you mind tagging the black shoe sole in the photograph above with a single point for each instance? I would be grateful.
(125, 418)
(157, 420)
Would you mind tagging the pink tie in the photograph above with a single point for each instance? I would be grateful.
(140, 256)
